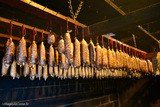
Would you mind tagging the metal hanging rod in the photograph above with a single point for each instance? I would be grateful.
(108, 37)
(20, 25)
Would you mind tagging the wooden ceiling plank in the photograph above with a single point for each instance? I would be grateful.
(45, 9)
(122, 22)
(115, 7)
(123, 13)
(148, 33)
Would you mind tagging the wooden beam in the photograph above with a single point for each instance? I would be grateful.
(39, 10)
(13, 37)
(146, 32)
(20, 25)
(115, 7)
(133, 19)
(108, 37)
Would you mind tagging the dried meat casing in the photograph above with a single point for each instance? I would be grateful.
(57, 57)
(61, 46)
(117, 60)
(121, 59)
(114, 62)
(134, 63)
(77, 55)
(22, 52)
(138, 63)
(51, 38)
(26, 69)
(33, 72)
(4, 68)
(33, 53)
(98, 56)
(150, 66)
(39, 73)
(104, 58)
(88, 58)
(129, 62)
(64, 64)
(128, 58)
(110, 58)
(42, 56)
(92, 54)
(68, 51)
(72, 49)
(10, 52)
(45, 72)
(145, 66)
(51, 60)
(13, 71)
(84, 52)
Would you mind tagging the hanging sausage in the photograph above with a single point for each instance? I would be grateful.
(77, 54)
(150, 66)
(98, 56)
(84, 55)
(104, 56)
(61, 46)
(21, 49)
(68, 51)
(57, 63)
(26, 66)
(51, 60)
(51, 37)
(32, 57)
(8, 58)
(92, 54)
(42, 58)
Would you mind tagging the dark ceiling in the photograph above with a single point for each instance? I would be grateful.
(94, 11)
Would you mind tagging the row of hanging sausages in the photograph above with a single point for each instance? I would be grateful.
(77, 59)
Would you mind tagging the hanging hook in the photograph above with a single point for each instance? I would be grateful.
(11, 26)
(126, 49)
(34, 33)
(112, 43)
(88, 29)
(82, 32)
(67, 23)
(23, 31)
(102, 41)
(42, 35)
(116, 45)
(122, 47)
(108, 43)
(75, 30)
(97, 39)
